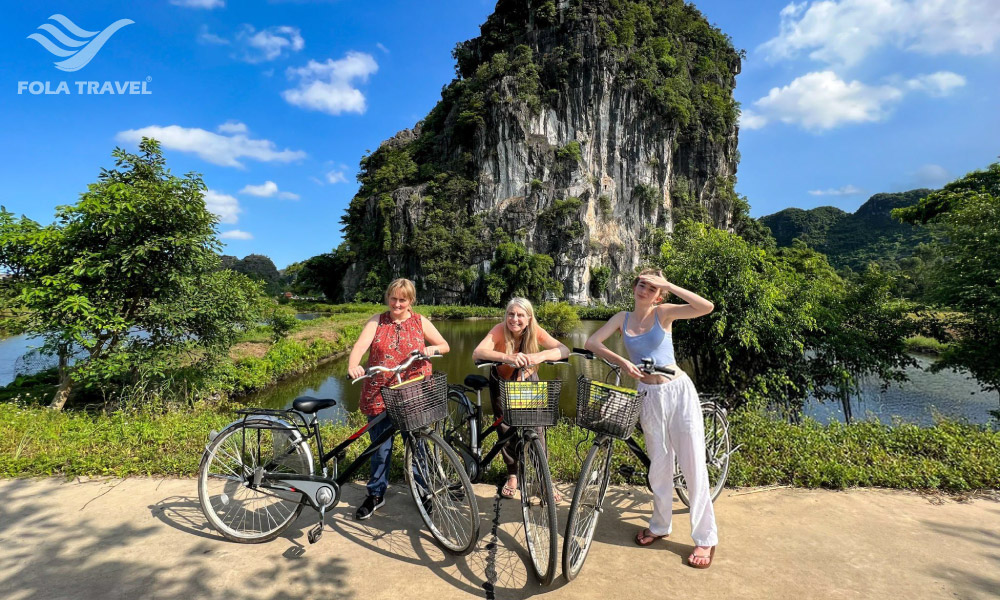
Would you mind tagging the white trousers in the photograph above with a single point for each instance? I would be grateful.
(672, 424)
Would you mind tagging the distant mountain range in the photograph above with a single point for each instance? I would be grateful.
(853, 239)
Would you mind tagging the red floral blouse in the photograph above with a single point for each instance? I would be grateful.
(391, 347)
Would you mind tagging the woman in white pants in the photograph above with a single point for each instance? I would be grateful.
(671, 413)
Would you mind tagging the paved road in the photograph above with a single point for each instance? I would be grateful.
(146, 538)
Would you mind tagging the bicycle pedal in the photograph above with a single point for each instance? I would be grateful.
(315, 533)
(626, 471)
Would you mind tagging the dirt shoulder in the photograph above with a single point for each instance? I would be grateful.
(147, 538)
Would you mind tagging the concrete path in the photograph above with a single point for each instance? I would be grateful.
(147, 538)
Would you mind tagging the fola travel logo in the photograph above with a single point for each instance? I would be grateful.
(77, 47)
(79, 51)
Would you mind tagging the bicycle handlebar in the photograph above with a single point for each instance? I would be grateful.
(646, 366)
(414, 356)
(492, 363)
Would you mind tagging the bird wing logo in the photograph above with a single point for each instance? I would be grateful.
(77, 45)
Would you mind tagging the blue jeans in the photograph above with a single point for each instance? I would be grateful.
(380, 459)
(379, 480)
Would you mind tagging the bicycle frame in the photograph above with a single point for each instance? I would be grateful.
(475, 450)
(310, 485)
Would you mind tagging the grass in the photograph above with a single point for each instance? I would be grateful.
(951, 456)
(925, 345)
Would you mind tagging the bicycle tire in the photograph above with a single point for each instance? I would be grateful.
(458, 430)
(237, 510)
(538, 508)
(717, 452)
(445, 498)
(586, 507)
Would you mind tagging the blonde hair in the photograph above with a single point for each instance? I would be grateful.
(648, 271)
(529, 337)
(404, 286)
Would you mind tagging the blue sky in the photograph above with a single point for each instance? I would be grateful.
(274, 102)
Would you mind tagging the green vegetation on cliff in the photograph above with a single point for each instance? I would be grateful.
(413, 214)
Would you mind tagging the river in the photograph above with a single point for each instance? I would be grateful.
(917, 401)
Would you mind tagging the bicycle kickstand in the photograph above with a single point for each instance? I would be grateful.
(317, 530)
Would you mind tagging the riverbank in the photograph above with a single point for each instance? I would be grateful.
(144, 537)
(950, 456)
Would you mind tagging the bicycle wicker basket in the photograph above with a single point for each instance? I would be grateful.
(530, 403)
(416, 403)
(605, 408)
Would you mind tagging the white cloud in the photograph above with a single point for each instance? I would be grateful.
(847, 190)
(232, 127)
(269, 44)
(329, 86)
(381, 47)
(224, 150)
(225, 206)
(199, 3)
(336, 176)
(936, 84)
(268, 189)
(235, 234)
(822, 100)
(843, 32)
(207, 37)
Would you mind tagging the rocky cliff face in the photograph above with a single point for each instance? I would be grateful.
(577, 129)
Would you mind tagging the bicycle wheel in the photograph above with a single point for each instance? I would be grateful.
(586, 508)
(237, 507)
(458, 430)
(538, 508)
(442, 491)
(717, 449)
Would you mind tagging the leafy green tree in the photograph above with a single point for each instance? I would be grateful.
(322, 274)
(965, 216)
(784, 326)
(558, 318)
(517, 272)
(599, 278)
(128, 276)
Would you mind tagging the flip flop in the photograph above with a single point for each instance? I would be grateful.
(507, 491)
(646, 534)
(710, 557)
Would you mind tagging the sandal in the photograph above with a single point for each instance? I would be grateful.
(711, 555)
(508, 491)
(645, 537)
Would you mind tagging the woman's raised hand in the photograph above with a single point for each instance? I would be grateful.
(656, 280)
(356, 371)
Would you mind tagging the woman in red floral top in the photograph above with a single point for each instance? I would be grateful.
(389, 338)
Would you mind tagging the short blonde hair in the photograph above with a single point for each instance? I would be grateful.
(650, 271)
(403, 286)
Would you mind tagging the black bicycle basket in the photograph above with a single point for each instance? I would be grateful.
(419, 402)
(530, 403)
(605, 408)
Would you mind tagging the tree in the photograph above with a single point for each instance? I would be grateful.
(517, 272)
(128, 276)
(784, 326)
(965, 218)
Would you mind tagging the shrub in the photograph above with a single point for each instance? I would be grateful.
(559, 318)
(570, 151)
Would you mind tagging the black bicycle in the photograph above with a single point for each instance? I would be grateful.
(525, 405)
(612, 412)
(258, 472)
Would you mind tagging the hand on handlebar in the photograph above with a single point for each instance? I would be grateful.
(356, 371)
(521, 360)
(631, 370)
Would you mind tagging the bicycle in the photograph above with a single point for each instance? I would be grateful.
(258, 473)
(612, 413)
(525, 405)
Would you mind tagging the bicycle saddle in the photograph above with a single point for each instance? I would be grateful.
(309, 405)
(476, 382)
